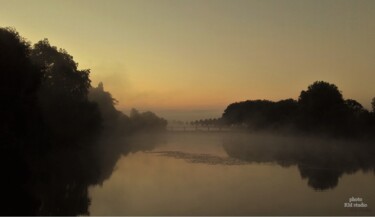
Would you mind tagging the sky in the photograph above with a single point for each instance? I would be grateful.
(189, 59)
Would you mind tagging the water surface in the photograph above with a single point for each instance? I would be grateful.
(226, 174)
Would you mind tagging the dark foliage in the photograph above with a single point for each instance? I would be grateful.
(146, 121)
(320, 109)
(68, 114)
(51, 134)
(261, 114)
(117, 122)
(20, 123)
(20, 81)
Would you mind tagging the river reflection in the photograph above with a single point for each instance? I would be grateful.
(321, 161)
(193, 174)
(240, 174)
(56, 181)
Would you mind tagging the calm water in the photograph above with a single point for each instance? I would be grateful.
(239, 174)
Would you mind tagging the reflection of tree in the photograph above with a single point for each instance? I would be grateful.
(321, 161)
(320, 179)
(56, 182)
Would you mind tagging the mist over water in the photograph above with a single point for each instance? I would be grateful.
(236, 173)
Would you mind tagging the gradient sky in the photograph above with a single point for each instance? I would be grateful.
(189, 56)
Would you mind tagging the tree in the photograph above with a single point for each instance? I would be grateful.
(261, 113)
(60, 72)
(20, 125)
(105, 102)
(373, 105)
(114, 122)
(146, 121)
(68, 114)
(354, 106)
(321, 105)
(20, 82)
(44, 101)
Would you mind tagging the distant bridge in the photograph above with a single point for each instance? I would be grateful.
(199, 129)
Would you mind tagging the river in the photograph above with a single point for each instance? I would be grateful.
(202, 173)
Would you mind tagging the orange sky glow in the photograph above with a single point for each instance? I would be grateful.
(179, 55)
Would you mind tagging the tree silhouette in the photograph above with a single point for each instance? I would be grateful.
(117, 122)
(146, 121)
(51, 143)
(113, 121)
(321, 106)
(20, 81)
(105, 102)
(354, 106)
(60, 72)
(67, 112)
(20, 125)
(260, 114)
(320, 109)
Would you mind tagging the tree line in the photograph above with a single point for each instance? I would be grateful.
(48, 100)
(58, 134)
(319, 109)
